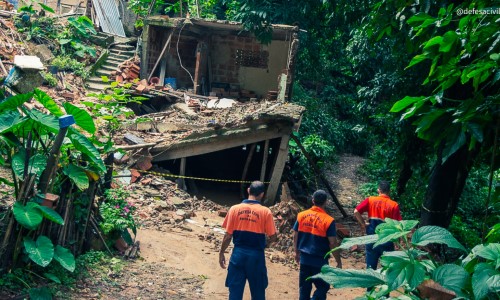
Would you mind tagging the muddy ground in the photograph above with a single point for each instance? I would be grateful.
(179, 260)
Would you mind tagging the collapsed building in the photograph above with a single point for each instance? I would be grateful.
(218, 102)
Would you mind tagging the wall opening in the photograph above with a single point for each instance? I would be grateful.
(227, 165)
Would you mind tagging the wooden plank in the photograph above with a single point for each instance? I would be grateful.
(133, 139)
(218, 141)
(182, 172)
(196, 82)
(264, 161)
(245, 169)
(163, 69)
(320, 175)
(279, 166)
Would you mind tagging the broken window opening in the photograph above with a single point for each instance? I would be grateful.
(255, 59)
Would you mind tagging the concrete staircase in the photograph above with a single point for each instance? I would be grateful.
(118, 53)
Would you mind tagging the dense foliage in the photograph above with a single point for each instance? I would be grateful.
(407, 270)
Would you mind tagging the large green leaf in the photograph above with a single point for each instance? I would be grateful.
(48, 103)
(435, 235)
(82, 117)
(405, 102)
(449, 39)
(493, 283)
(8, 119)
(452, 277)
(51, 214)
(362, 240)
(77, 175)
(42, 293)
(14, 102)
(489, 252)
(83, 144)
(65, 258)
(48, 121)
(36, 165)
(41, 251)
(340, 278)
(399, 273)
(482, 273)
(52, 277)
(28, 216)
(18, 162)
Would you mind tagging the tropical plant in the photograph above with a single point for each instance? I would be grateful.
(117, 215)
(26, 137)
(71, 38)
(476, 276)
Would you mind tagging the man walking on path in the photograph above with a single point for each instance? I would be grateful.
(247, 224)
(314, 235)
(378, 208)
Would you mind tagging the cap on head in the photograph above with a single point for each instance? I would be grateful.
(256, 188)
(384, 187)
(319, 197)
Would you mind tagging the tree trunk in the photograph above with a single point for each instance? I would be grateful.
(445, 187)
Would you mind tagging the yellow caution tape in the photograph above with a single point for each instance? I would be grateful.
(195, 178)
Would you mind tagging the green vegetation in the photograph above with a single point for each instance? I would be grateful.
(116, 214)
(66, 63)
(475, 276)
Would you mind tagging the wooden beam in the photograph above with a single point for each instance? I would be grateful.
(182, 172)
(282, 87)
(218, 141)
(197, 68)
(264, 161)
(245, 169)
(163, 70)
(279, 166)
(145, 48)
(320, 175)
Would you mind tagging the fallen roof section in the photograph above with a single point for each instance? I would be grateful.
(181, 132)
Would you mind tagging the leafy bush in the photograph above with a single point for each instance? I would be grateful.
(66, 63)
(50, 80)
(319, 150)
(72, 37)
(117, 215)
(476, 276)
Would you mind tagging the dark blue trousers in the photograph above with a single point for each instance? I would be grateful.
(246, 264)
(373, 254)
(305, 286)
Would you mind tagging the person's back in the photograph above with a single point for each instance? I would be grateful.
(314, 236)
(378, 208)
(247, 224)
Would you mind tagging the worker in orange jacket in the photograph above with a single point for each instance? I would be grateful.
(378, 208)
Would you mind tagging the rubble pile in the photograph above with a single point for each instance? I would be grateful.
(160, 202)
(127, 71)
(285, 214)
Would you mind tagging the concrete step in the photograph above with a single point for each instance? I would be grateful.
(113, 62)
(122, 47)
(102, 72)
(121, 52)
(95, 79)
(106, 66)
(120, 57)
(96, 87)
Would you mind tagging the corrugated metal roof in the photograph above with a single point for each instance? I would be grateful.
(109, 17)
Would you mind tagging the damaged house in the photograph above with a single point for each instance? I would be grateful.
(233, 121)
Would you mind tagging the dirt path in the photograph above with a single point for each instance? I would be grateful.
(179, 260)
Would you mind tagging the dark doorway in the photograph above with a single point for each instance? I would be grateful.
(226, 165)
